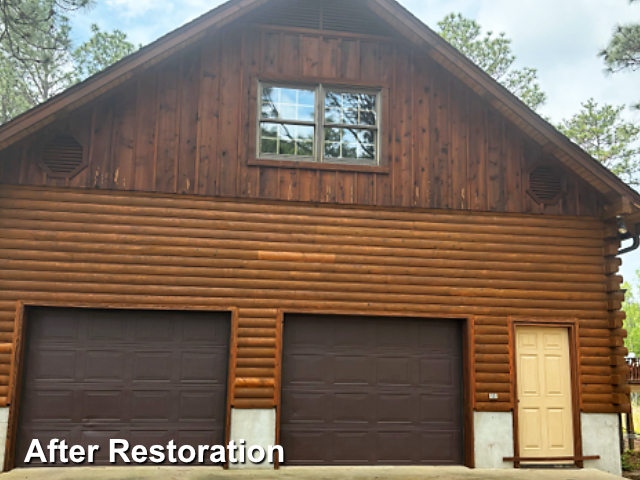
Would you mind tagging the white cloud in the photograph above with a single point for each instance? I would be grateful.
(136, 8)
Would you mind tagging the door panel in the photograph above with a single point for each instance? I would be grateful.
(544, 392)
(371, 391)
(146, 377)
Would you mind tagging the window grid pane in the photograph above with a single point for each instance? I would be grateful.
(350, 109)
(349, 129)
(288, 104)
(284, 139)
(343, 143)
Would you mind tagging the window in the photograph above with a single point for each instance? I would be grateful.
(319, 124)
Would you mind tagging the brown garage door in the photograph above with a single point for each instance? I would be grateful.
(362, 391)
(146, 377)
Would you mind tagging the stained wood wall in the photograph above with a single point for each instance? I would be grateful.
(184, 127)
(102, 249)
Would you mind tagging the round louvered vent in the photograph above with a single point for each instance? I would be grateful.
(546, 185)
(62, 156)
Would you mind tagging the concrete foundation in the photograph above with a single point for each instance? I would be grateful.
(493, 439)
(601, 436)
(255, 427)
(4, 425)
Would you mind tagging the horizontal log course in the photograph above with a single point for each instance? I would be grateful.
(600, 333)
(256, 353)
(492, 339)
(251, 342)
(24, 218)
(597, 398)
(254, 383)
(492, 349)
(586, 324)
(600, 389)
(602, 342)
(253, 403)
(480, 330)
(8, 316)
(130, 259)
(604, 408)
(264, 241)
(612, 265)
(90, 200)
(493, 377)
(492, 359)
(492, 367)
(5, 358)
(6, 348)
(255, 363)
(507, 296)
(257, 323)
(491, 321)
(245, 372)
(250, 313)
(119, 296)
(493, 407)
(493, 387)
(604, 370)
(607, 379)
(256, 332)
(7, 326)
(603, 351)
(143, 254)
(254, 393)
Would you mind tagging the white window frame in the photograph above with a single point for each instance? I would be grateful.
(320, 124)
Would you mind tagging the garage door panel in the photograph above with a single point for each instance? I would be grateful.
(351, 370)
(305, 407)
(54, 365)
(151, 385)
(348, 408)
(439, 372)
(396, 448)
(105, 330)
(376, 398)
(440, 409)
(152, 366)
(396, 408)
(48, 405)
(353, 447)
(394, 371)
(440, 448)
(307, 369)
(104, 366)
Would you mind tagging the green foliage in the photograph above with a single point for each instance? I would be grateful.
(47, 63)
(100, 51)
(494, 55)
(631, 306)
(630, 461)
(623, 51)
(604, 134)
(26, 25)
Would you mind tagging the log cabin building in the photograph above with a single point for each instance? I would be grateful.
(313, 223)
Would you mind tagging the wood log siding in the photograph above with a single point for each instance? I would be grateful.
(101, 249)
(185, 127)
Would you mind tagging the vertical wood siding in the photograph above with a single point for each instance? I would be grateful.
(185, 127)
(106, 249)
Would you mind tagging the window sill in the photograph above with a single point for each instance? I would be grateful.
(344, 167)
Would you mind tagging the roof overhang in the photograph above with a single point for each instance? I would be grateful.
(623, 198)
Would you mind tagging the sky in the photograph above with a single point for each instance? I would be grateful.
(560, 38)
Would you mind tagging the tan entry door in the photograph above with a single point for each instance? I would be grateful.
(545, 417)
